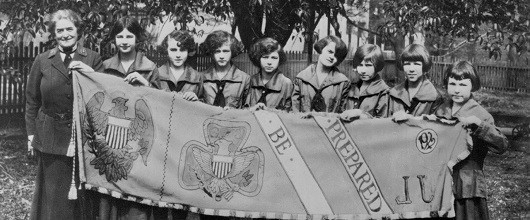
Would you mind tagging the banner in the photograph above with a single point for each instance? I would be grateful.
(153, 147)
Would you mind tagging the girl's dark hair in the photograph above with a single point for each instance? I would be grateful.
(185, 39)
(265, 46)
(417, 52)
(341, 50)
(463, 70)
(369, 52)
(68, 15)
(216, 39)
(132, 25)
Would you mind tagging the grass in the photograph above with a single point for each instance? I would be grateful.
(17, 176)
(508, 181)
(504, 103)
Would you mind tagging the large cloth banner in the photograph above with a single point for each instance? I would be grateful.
(153, 147)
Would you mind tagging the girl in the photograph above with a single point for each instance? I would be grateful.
(134, 67)
(176, 75)
(417, 95)
(224, 84)
(370, 94)
(469, 181)
(129, 63)
(269, 86)
(49, 101)
(321, 87)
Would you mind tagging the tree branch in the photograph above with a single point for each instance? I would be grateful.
(342, 11)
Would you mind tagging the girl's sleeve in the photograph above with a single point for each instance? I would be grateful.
(439, 101)
(295, 97)
(348, 103)
(288, 99)
(492, 136)
(246, 90)
(154, 79)
(200, 90)
(33, 95)
(97, 64)
(381, 108)
(344, 96)
(384, 105)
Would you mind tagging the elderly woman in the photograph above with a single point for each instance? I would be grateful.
(49, 100)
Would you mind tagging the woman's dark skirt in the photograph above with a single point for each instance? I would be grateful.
(50, 199)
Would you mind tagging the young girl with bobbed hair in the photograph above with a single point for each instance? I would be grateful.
(269, 86)
(417, 95)
(176, 75)
(369, 95)
(129, 62)
(468, 177)
(224, 84)
(321, 87)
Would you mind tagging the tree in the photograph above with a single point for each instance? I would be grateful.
(280, 19)
(486, 22)
(491, 23)
(98, 16)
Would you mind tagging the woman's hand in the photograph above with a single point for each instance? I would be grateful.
(190, 96)
(351, 114)
(257, 107)
(81, 67)
(401, 116)
(307, 115)
(470, 121)
(135, 78)
(30, 148)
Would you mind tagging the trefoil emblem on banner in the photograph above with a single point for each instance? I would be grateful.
(224, 165)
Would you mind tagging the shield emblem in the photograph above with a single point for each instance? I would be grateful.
(117, 130)
(221, 165)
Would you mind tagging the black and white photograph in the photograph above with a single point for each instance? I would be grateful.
(264, 109)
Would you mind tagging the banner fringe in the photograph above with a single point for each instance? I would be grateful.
(269, 215)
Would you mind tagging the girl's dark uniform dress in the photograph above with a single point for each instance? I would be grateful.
(189, 81)
(426, 100)
(49, 101)
(372, 100)
(141, 64)
(469, 182)
(276, 93)
(329, 96)
(109, 207)
(229, 91)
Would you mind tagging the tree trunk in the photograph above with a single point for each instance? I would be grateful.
(248, 16)
(310, 33)
(399, 45)
(281, 19)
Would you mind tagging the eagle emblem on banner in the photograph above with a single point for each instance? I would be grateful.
(116, 138)
(224, 165)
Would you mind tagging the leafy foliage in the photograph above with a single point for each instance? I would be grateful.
(494, 24)
(487, 22)
(98, 16)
